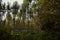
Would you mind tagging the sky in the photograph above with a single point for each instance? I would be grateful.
(11, 1)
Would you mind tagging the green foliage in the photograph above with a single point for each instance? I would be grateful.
(44, 26)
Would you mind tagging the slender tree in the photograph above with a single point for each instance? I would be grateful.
(8, 6)
(9, 23)
(15, 8)
(0, 7)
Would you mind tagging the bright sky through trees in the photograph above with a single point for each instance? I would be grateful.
(11, 1)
